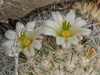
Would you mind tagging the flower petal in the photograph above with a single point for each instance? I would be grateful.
(32, 35)
(79, 22)
(74, 40)
(36, 32)
(8, 44)
(10, 34)
(54, 26)
(39, 38)
(32, 51)
(66, 44)
(19, 26)
(21, 46)
(48, 31)
(36, 44)
(28, 52)
(58, 18)
(83, 31)
(59, 40)
(70, 17)
(29, 35)
(79, 37)
(7, 47)
(30, 25)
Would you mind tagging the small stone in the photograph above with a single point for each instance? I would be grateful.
(16, 9)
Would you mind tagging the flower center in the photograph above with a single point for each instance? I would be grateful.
(65, 34)
(27, 42)
(66, 26)
(22, 39)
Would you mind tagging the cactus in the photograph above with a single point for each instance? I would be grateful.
(58, 45)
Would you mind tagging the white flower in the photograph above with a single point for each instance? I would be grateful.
(32, 40)
(73, 28)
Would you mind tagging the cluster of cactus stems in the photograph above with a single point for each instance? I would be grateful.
(52, 59)
(88, 10)
(82, 59)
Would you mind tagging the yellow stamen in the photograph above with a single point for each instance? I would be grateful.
(66, 34)
(26, 42)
